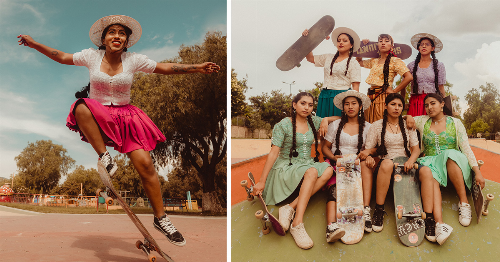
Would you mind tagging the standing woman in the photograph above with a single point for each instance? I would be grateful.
(343, 137)
(340, 71)
(429, 75)
(290, 167)
(107, 118)
(448, 154)
(382, 73)
(393, 139)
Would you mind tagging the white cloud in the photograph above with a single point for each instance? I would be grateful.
(35, 12)
(484, 66)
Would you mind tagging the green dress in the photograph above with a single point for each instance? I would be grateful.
(438, 148)
(284, 178)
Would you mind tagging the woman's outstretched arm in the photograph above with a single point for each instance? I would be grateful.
(172, 68)
(54, 54)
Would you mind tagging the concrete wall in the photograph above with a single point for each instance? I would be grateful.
(244, 132)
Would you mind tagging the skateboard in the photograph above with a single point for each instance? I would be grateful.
(305, 44)
(450, 106)
(149, 242)
(264, 216)
(370, 50)
(350, 199)
(480, 203)
(409, 211)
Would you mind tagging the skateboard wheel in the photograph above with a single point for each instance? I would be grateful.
(400, 214)
(109, 201)
(250, 198)
(151, 258)
(356, 162)
(339, 215)
(266, 230)
(98, 191)
(423, 215)
(395, 165)
(244, 183)
(485, 212)
(415, 166)
(480, 163)
(259, 214)
(490, 197)
(138, 244)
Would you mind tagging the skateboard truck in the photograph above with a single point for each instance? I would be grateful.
(249, 190)
(264, 219)
(146, 248)
(489, 197)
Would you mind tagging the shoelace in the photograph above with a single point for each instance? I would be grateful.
(465, 211)
(366, 215)
(378, 217)
(168, 226)
(430, 229)
(332, 228)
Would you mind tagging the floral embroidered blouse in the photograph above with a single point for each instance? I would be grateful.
(376, 76)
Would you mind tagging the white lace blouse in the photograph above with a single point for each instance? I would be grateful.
(393, 142)
(112, 90)
(347, 144)
(338, 81)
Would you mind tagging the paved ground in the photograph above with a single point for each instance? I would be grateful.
(30, 236)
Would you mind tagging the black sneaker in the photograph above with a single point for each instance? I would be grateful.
(430, 229)
(108, 163)
(378, 219)
(164, 225)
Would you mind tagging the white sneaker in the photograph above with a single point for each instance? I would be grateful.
(464, 214)
(334, 232)
(286, 214)
(443, 231)
(301, 237)
(368, 219)
(108, 163)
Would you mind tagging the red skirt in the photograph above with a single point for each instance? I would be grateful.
(127, 127)
(417, 107)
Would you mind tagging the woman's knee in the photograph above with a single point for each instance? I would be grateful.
(82, 110)
(144, 166)
(387, 166)
(425, 174)
(311, 173)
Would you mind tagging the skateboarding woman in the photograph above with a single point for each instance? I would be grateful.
(448, 155)
(343, 138)
(340, 71)
(389, 138)
(107, 118)
(429, 75)
(290, 167)
(382, 73)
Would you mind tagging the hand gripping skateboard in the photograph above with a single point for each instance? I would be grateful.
(350, 199)
(149, 242)
(305, 44)
(265, 216)
(370, 50)
(409, 211)
(480, 204)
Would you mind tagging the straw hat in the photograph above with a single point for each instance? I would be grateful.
(99, 26)
(438, 45)
(365, 100)
(344, 30)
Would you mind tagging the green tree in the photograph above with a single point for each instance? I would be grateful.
(484, 104)
(479, 126)
(42, 164)
(238, 90)
(272, 107)
(86, 179)
(190, 110)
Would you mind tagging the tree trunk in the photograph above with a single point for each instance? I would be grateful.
(211, 203)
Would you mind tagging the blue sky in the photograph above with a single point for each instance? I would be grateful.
(36, 92)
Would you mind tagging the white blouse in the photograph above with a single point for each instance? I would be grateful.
(348, 144)
(112, 90)
(338, 81)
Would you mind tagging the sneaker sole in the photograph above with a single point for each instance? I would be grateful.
(368, 229)
(335, 237)
(180, 244)
(377, 229)
(442, 242)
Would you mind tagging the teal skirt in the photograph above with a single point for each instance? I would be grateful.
(437, 164)
(326, 107)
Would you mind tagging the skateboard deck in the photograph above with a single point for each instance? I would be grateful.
(450, 106)
(370, 50)
(480, 203)
(408, 205)
(264, 215)
(305, 44)
(149, 242)
(350, 199)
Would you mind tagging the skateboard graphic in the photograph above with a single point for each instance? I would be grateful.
(264, 216)
(149, 243)
(480, 203)
(305, 44)
(450, 106)
(409, 211)
(370, 50)
(350, 199)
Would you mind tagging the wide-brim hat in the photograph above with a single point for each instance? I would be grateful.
(99, 26)
(344, 30)
(438, 45)
(365, 100)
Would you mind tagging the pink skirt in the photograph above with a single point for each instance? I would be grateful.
(127, 127)
(333, 179)
(417, 105)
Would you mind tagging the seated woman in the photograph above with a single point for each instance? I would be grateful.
(343, 138)
(290, 167)
(387, 134)
(448, 155)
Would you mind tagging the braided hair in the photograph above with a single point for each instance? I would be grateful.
(293, 149)
(434, 65)
(84, 92)
(343, 121)
(382, 150)
(387, 62)
(351, 50)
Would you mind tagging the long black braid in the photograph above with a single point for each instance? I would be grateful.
(434, 66)
(386, 72)
(310, 121)
(333, 61)
(415, 68)
(382, 150)
(361, 122)
(293, 149)
(343, 121)
(436, 71)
